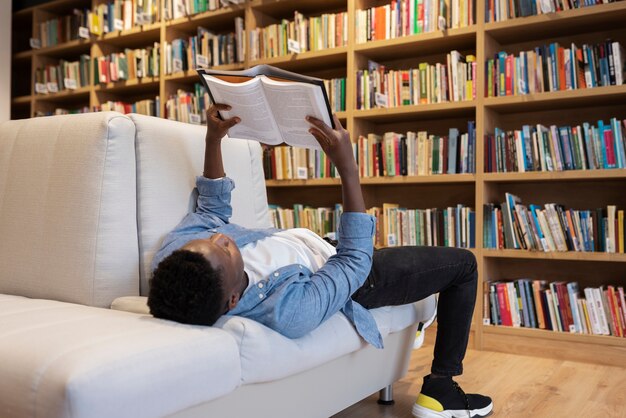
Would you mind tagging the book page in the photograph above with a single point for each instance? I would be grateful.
(248, 103)
(291, 102)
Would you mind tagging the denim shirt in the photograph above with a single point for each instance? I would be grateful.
(292, 300)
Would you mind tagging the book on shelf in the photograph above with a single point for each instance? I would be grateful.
(417, 153)
(128, 65)
(512, 225)
(63, 29)
(291, 163)
(115, 15)
(556, 306)
(409, 17)
(188, 107)
(323, 221)
(62, 111)
(557, 148)
(499, 10)
(205, 49)
(553, 67)
(63, 76)
(302, 34)
(379, 87)
(148, 107)
(271, 103)
(174, 9)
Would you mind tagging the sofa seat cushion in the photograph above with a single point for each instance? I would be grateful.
(67, 360)
(267, 355)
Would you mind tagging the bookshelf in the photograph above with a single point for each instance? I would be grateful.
(584, 189)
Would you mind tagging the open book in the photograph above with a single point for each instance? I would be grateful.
(272, 103)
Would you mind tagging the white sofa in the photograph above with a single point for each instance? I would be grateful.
(84, 203)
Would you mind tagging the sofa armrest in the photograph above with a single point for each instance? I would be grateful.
(135, 304)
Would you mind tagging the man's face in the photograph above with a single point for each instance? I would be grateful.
(223, 255)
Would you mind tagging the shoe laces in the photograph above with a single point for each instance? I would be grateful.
(458, 388)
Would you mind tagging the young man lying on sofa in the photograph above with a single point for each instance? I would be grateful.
(293, 280)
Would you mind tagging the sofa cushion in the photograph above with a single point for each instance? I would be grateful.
(62, 359)
(169, 157)
(68, 208)
(267, 355)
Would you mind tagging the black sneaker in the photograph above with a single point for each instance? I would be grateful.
(443, 397)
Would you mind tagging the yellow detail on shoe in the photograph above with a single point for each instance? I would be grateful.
(428, 402)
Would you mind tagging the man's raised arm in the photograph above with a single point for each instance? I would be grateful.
(216, 130)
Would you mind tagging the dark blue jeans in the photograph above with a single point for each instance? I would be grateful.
(402, 275)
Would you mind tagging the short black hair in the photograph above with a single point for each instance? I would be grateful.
(186, 288)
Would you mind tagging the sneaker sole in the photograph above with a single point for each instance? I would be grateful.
(421, 412)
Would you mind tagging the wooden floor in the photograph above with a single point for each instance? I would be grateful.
(520, 386)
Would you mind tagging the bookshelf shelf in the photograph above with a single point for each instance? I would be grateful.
(559, 23)
(572, 175)
(426, 43)
(319, 59)
(569, 255)
(417, 112)
(575, 189)
(567, 98)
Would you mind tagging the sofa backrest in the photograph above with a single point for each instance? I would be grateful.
(68, 227)
(169, 157)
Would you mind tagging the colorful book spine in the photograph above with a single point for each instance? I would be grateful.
(188, 107)
(149, 107)
(65, 76)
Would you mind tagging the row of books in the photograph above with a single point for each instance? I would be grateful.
(114, 15)
(62, 111)
(287, 163)
(188, 107)
(63, 76)
(128, 65)
(541, 148)
(557, 306)
(174, 9)
(395, 226)
(205, 49)
(149, 107)
(450, 227)
(323, 221)
(336, 91)
(417, 153)
(409, 17)
(552, 227)
(63, 29)
(499, 10)
(450, 82)
(553, 68)
(301, 34)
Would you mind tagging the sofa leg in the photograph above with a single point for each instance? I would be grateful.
(385, 396)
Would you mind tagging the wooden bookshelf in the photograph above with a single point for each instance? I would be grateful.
(596, 188)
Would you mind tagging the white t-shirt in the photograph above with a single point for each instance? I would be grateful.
(292, 246)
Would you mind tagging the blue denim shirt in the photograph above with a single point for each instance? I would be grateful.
(292, 300)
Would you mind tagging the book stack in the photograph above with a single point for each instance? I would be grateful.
(498, 10)
(553, 67)
(336, 92)
(417, 153)
(64, 76)
(450, 82)
(288, 163)
(64, 29)
(552, 227)
(113, 15)
(299, 35)
(205, 49)
(322, 221)
(174, 9)
(556, 306)
(557, 148)
(147, 107)
(189, 107)
(409, 17)
(61, 111)
(450, 227)
(128, 65)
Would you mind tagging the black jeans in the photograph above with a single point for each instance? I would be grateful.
(402, 275)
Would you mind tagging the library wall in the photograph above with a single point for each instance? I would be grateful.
(5, 56)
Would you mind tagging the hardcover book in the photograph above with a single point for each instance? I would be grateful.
(271, 103)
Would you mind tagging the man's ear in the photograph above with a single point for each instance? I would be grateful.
(233, 301)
